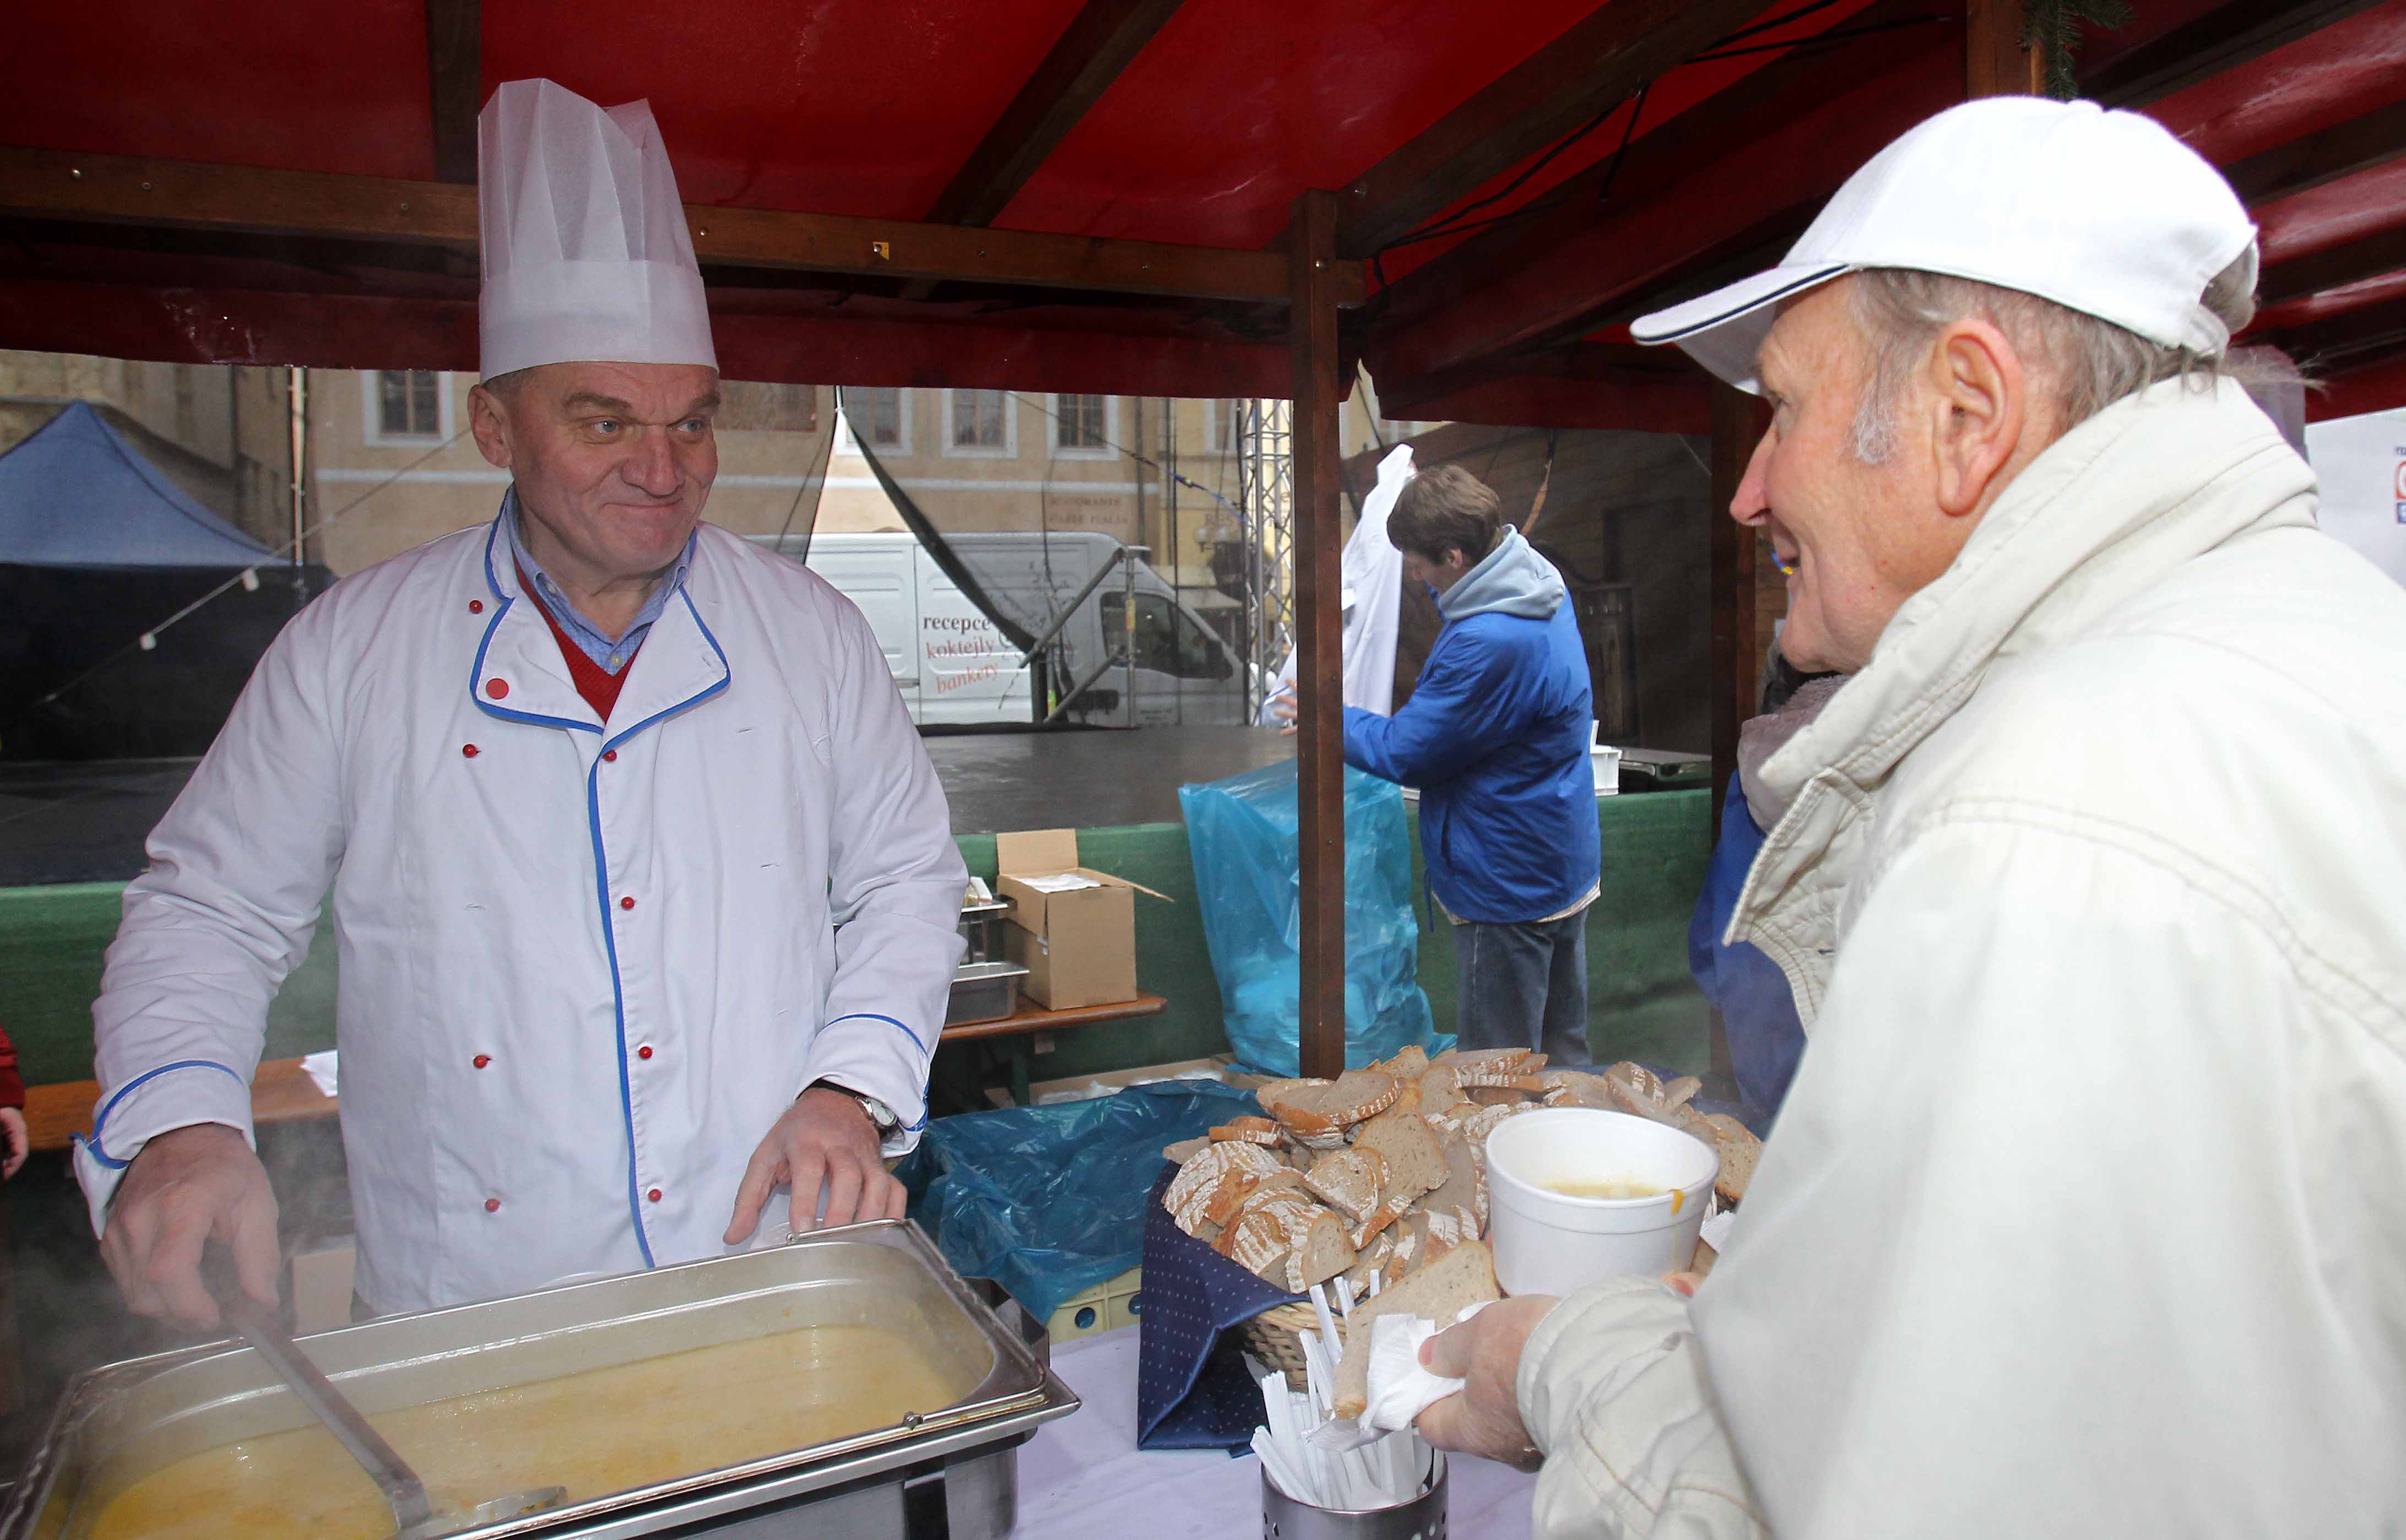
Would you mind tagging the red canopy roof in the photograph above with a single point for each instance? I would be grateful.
(1195, 124)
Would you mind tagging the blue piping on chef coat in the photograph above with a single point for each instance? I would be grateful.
(601, 855)
(91, 1141)
(874, 1016)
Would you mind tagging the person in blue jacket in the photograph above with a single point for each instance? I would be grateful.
(1495, 736)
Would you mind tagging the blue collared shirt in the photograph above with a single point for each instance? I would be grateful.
(611, 655)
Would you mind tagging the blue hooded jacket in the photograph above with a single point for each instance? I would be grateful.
(1495, 736)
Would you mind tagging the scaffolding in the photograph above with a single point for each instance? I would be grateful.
(1266, 493)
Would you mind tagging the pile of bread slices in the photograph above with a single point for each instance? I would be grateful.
(1384, 1169)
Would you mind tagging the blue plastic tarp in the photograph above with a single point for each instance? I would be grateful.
(1049, 1201)
(1243, 832)
(76, 494)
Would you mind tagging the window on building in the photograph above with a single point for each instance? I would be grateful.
(979, 419)
(756, 408)
(1167, 640)
(875, 417)
(1081, 423)
(409, 404)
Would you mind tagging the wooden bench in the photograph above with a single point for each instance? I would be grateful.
(1010, 1039)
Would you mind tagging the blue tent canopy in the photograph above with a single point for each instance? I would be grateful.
(76, 494)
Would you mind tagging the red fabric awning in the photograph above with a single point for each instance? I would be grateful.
(872, 107)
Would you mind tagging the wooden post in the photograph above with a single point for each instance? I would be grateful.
(1311, 265)
(1738, 644)
(1995, 64)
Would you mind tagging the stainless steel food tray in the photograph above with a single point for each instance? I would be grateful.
(120, 1423)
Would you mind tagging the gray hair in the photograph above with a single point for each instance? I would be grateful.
(2089, 363)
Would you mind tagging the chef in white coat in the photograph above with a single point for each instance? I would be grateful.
(645, 890)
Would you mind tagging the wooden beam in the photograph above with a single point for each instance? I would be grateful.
(2334, 267)
(455, 84)
(1748, 166)
(1319, 542)
(2343, 149)
(1601, 61)
(179, 194)
(823, 347)
(1099, 42)
(1737, 647)
(2233, 33)
(1995, 62)
(2345, 343)
(2377, 385)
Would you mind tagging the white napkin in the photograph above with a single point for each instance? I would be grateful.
(1400, 1388)
(1067, 882)
(319, 1067)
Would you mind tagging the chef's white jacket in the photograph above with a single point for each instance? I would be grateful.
(584, 967)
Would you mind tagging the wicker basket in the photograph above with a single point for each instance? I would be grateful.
(1270, 1336)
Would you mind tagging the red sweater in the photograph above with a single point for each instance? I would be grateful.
(597, 685)
(12, 1084)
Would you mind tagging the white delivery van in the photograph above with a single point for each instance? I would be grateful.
(953, 666)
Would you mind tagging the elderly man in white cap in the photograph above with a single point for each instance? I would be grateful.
(2087, 1212)
(644, 889)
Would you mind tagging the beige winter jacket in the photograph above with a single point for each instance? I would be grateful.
(2087, 1211)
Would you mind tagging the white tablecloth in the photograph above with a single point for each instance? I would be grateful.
(1082, 1477)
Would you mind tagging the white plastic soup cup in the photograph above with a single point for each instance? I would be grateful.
(1547, 1242)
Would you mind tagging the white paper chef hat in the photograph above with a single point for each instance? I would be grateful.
(585, 250)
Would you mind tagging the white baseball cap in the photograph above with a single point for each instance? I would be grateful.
(2103, 212)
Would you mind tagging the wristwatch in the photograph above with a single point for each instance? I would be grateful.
(881, 1117)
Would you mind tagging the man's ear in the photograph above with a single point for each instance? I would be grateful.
(1979, 399)
(488, 419)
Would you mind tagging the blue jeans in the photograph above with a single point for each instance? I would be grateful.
(1525, 986)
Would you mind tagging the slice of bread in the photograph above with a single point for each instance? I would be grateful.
(1202, 1173)
(1349, 1182)
(1438, 1291)
(1409, 1065)
(1390, 1209)
(1184, 1151)
(1500, 1096)
(1369, 1259)
(1740, 1152)
(1308, 1110)
(1259, 1243)
(1250, 1130)
(1415, 1163)
(1464, 1191)
(1240, 1190)
(1323, 1253)
(1440, 1088)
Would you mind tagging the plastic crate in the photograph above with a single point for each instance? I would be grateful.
(1107, 1306)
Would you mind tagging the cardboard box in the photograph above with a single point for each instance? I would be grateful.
(1071, 928)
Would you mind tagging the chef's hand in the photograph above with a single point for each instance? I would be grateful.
(1282, 707)
(825, 1134)
(1484, 1416)
(12, 1122)
(184, 1187)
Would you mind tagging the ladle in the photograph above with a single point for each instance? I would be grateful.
(412, 1512)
